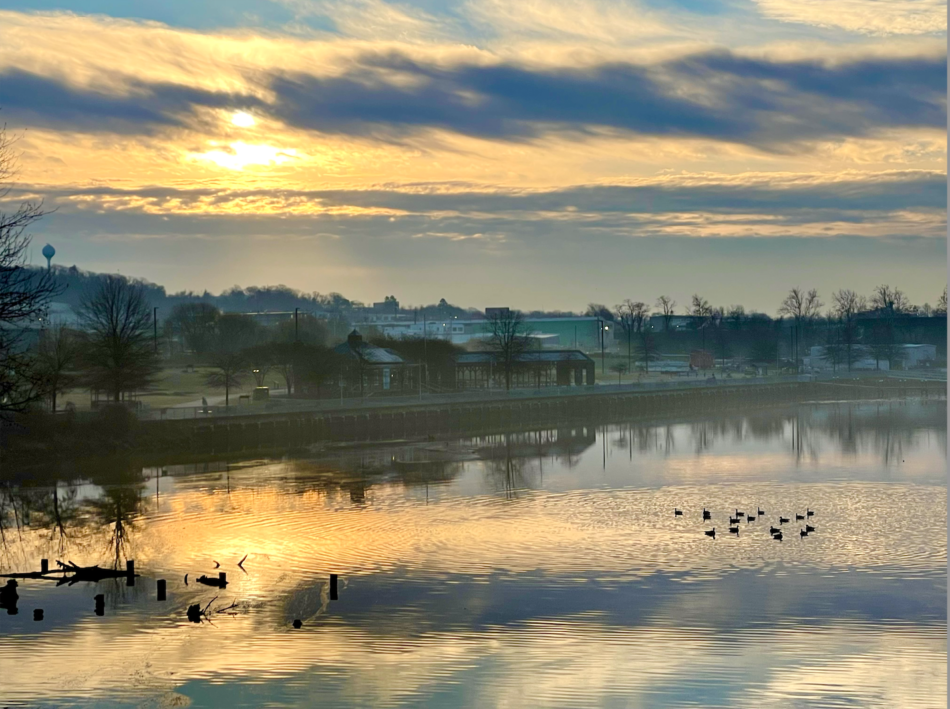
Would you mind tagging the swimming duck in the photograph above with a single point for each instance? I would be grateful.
(711, 533)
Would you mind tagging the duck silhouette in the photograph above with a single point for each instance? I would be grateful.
(809, 513)
(761, 512)
(777, 536)
(803, 534)
(750, 518)
(799, 518)
(706, 514)
(782, 520)
(774, 530)
(711, 533)
(734, 530)
(809, 528)
(677, 513)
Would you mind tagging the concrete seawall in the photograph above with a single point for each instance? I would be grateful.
(420, 421)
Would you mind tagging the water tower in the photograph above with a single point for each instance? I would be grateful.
(49, 252)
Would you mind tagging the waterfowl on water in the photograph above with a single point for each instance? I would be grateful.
(734, 530)
(706, 514)
(711, 533)
(738, 513)
(803, 534)
(809, 513)
(733, 520)
(782, 520)
(677, 513)
(750, 518)
(774, 530)
(761, 512)
(799, 518)
(777, 536)
(809, 528)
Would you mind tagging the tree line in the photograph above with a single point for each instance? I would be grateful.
(852, 327)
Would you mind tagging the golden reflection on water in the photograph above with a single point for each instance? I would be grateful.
(414, 543)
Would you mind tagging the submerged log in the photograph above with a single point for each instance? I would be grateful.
(91, 574)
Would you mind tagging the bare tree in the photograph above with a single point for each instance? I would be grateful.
(620, 368)
(509, 339)
(701, 309)
(118, 353)
(846, 304)
(803, 308)
(890, 300)
(626, 315)
(57, 361)
(196, 324)
(667, 307)
(24, 292)
(233, 352)
(228, 371)
(941, 308)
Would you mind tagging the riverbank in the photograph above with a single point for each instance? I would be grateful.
(45, 441)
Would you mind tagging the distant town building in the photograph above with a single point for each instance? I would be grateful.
(369, 369)
(543, 368)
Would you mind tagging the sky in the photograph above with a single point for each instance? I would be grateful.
(536, 154)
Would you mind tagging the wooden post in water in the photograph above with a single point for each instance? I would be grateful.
(334, 595)
(161, 589)
(38, 614)
(222, 579)
(44, 566)
(130, 572)
(100, 604)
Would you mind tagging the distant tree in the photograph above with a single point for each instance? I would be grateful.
(24, 292)
(702, 310)
(889, 299)
(646, 347)
(598, 310)
(763, 338)
(941, 308)
(308, 330)
(509, 339)
(626, 318)
(667, 308)
(57, 361)
(717, 324)
(228, 370)
(620, 368)
(118, 354)
(195, 323)
(846, 304)
(317, 365)
(735, 317)
(803, 308)
(235, 338)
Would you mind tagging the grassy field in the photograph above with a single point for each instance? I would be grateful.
(175, 386)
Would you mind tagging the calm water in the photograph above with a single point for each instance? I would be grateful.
(542, 568)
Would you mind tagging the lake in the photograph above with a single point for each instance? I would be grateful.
(542, 568)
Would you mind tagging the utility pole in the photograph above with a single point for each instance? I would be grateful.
(425, 345)
(602, 365)
(155, 329)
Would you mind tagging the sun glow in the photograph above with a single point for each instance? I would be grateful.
(237, 156)
(243, 120)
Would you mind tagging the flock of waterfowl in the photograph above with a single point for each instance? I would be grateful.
(739, 516)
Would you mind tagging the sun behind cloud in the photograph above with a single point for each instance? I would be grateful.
(243, 120)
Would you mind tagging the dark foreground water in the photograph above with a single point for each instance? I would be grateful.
(543, 568)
